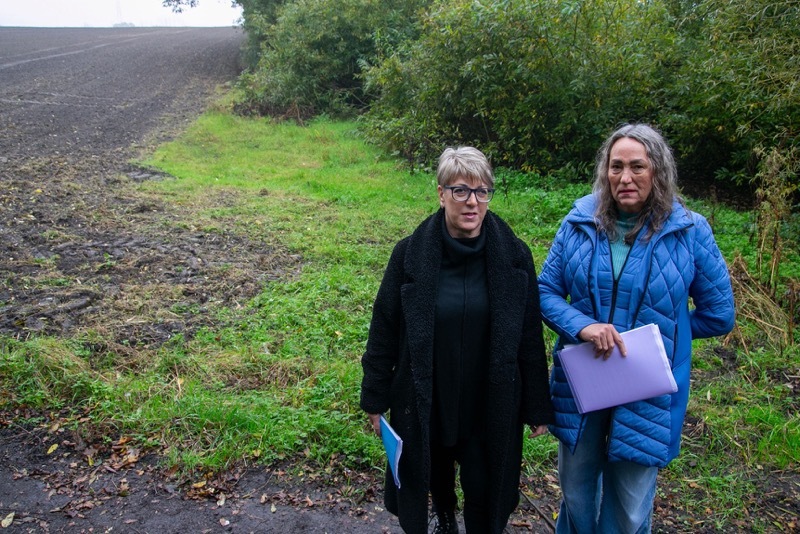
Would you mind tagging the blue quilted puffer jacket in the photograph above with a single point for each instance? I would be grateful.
(659, 276)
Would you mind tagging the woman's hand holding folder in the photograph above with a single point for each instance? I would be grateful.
(604, 337)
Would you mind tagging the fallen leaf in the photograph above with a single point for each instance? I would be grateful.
(7, 520)
(273, 508)
(224, 522)
(52, 448)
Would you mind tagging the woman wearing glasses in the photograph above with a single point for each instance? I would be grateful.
(455, 355)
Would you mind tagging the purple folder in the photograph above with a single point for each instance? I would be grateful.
(597, 383)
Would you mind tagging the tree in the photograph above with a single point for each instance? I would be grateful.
(179, 5)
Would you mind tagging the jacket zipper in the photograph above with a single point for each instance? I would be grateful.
(615, 285)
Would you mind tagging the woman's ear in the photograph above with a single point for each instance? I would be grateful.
(440, 189)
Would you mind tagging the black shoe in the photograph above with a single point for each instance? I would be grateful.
(446, 523)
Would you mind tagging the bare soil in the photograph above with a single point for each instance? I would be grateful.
(83, 251)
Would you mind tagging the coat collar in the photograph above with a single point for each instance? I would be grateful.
(423, 257)
(506, 276)
(582, 213)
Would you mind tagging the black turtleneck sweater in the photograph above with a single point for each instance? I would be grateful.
(461, 340)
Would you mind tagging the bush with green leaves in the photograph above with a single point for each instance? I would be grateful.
(258, 16)
(736, 93)
(535, 84)
(313, 55)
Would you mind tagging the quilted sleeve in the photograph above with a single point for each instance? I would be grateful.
(711, 290)
(558, 314)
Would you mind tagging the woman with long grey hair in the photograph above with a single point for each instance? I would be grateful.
(627, 255)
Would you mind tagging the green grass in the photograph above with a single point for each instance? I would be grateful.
(278, 378)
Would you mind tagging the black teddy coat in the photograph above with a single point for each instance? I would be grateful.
(398, 364)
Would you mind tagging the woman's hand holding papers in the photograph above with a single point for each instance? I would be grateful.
(604, 337)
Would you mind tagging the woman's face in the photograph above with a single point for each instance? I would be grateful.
(462, 219)
(630, 175)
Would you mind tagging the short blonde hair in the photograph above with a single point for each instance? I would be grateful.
(464, 162)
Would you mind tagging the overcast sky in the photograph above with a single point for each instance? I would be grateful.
(104, 13)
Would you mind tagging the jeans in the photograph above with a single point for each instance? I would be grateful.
(598, 495)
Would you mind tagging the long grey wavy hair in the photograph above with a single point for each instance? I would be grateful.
(658, 206)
